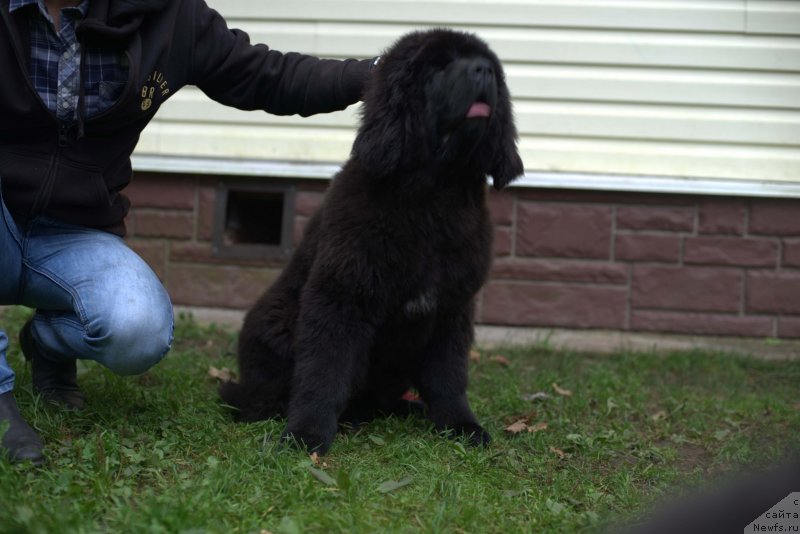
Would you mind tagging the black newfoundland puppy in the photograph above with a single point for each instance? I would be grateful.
(378, 297)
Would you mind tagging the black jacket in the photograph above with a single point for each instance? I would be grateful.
(75, 174)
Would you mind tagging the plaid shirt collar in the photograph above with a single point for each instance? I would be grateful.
(55, 64)
(16, 4)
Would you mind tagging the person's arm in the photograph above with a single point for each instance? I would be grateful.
(232, 71)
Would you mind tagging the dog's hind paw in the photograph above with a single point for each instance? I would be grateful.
(474, 433)
(308, 441)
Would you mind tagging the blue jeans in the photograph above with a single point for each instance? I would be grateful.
(95, 298)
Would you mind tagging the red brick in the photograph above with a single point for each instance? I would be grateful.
(299, 229)
(503, 237)
(775, 217)
(643, 247)
(554, 305)
(307, 202)
(152, 190)
(501, 206)
(672, 218)
(192, 252)
(603, 197)
(566, 231)
(731, 251)
(773, 292)
(722, 216)
(130, 224)
(206, 210)
(686, 288)
(791, 253)
(560, 271)
(218, 286)
(701, 323)
(170, 224)
(789, 327)
(313, 186)
(154, 253)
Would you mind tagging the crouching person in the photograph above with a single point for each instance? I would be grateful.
(80, 81)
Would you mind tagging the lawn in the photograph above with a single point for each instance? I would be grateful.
(593, 439)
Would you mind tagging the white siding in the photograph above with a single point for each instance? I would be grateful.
(683, 88)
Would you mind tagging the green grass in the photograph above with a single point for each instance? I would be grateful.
(157, 453)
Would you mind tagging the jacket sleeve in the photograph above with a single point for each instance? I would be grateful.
(234, 72)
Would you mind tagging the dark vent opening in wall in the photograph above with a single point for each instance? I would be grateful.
(254, 218)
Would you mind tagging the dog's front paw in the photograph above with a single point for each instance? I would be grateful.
(308, 440)
(473, 432)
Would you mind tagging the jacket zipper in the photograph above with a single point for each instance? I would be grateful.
(46, 189)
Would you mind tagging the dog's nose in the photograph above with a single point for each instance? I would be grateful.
(480, 69)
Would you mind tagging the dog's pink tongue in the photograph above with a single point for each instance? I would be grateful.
(479, 109)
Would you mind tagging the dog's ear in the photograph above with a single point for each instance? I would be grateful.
(379, 144)
(391, 118)
(506, 164)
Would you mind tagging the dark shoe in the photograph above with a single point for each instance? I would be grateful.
(20, 441)
(56, 382)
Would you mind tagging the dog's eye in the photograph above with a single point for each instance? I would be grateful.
(439, 62)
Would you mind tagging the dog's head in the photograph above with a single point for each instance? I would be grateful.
(438, 97)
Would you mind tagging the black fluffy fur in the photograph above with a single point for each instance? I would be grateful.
(378, 297)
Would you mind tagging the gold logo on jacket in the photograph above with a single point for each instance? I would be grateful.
(156, 84)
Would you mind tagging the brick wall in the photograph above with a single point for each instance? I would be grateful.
(574, 259)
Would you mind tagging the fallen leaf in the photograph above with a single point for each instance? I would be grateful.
(459, 448)
(719, 435)
(322, 476)
(539, 395)
(499, 359)
(659, 415)
(474, 356)
(411, 395)
(289, 526)
(555, 506)
(377, 440)
(538, 427)
(522, 425)
(517, 427)
(558, 452)
(223, 374)
(561, 391)
(391, 485)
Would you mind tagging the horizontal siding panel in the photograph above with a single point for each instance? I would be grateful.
(547, 45)
(550, 118)
(674, 86)
(781, 17)
(538, 153)
(245, 141)
(664, 159)
(659, 123)
(191, 105)
(683, 15)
